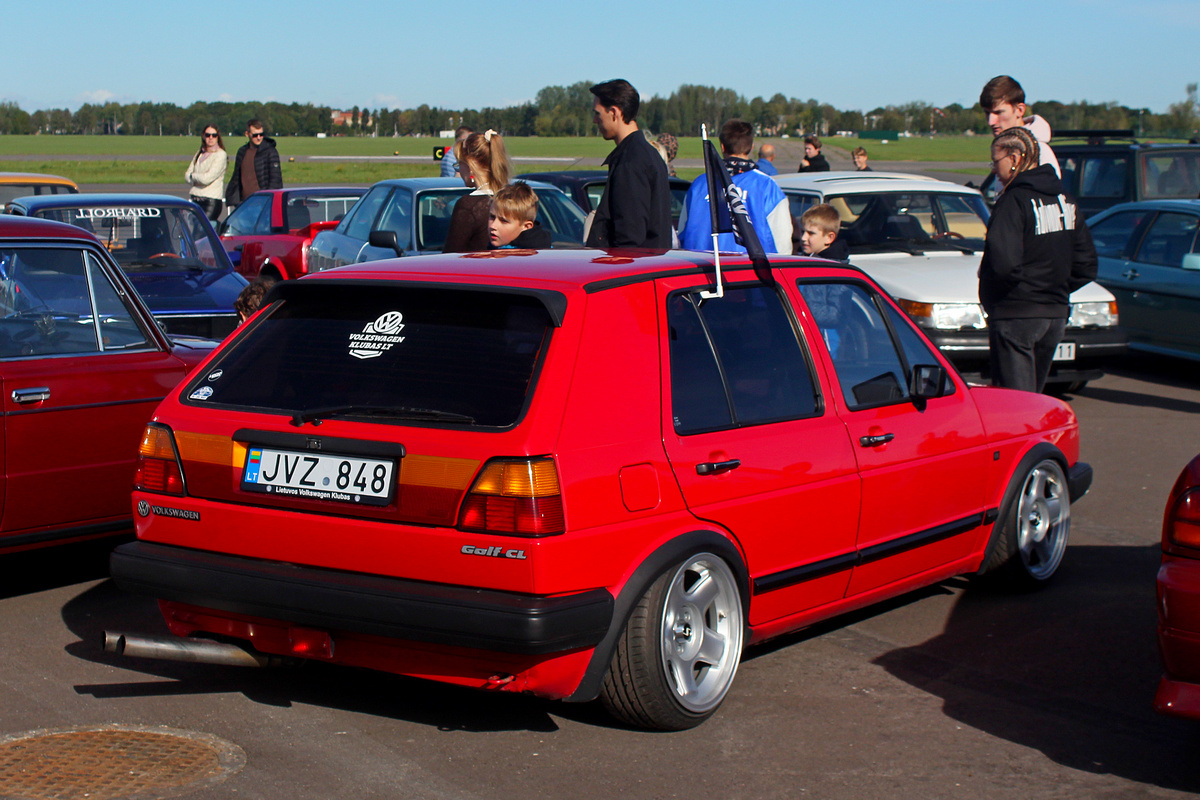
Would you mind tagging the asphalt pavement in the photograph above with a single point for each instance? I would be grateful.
(950, 692)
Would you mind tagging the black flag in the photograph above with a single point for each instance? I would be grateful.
(729, 213)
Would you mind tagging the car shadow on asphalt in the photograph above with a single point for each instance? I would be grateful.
(59, 565)
(440, 706)
(1069, 669)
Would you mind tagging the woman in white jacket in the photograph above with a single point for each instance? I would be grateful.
(206, 173)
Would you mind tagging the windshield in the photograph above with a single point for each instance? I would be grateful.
(149, 237)
(1171, 174)
(911, 221)
(386, 353)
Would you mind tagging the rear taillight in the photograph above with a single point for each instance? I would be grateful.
(158, 468)
(1181, 523)
(515, 496)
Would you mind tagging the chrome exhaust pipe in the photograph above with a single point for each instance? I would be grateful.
(201, 651)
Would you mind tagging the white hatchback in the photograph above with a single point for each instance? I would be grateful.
(922, 240)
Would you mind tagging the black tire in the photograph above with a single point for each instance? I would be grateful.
(1031, 536)
(679, 651)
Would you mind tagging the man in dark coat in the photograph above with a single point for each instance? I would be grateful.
(256, 166)
(635, 209)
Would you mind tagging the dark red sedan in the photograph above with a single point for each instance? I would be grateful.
(82, 366)
(272, 230)
(1179, 598)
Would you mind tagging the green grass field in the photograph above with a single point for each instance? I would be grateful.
(162, 159)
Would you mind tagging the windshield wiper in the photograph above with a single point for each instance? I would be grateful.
(315, 415)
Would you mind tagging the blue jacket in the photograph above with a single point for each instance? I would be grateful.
(765, 202)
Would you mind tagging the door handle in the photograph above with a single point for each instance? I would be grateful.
(1130, 274)
(713, 467)
(875, 441)
(31, 395)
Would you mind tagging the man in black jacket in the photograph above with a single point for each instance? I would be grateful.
(255, 167)
(635, 209)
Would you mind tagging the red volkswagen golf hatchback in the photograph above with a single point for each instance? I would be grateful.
(578, 474)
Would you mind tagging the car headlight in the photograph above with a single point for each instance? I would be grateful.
(1093, 315)
(945, 316)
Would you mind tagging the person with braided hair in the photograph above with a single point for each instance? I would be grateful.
(482, 163)
(1038, 250)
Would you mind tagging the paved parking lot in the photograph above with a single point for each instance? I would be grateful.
(946, 693)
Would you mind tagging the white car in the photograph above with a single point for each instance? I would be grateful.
(922, 240)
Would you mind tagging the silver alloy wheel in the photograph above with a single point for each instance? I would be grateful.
(1043, 519)
(702, 627)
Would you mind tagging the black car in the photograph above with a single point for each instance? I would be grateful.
(585, 186)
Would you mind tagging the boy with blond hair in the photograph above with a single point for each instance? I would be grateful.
(819, 233)
(512, 219)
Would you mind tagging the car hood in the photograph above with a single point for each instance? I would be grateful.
(938, 277)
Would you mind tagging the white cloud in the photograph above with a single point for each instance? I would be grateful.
(96, 97)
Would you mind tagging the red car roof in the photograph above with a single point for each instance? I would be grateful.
(577, 267)
(30, 227)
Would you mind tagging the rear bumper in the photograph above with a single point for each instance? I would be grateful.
(1179, 637)
(479, 619)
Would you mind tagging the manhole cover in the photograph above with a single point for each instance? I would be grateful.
(112, 761)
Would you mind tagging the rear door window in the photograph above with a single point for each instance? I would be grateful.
(386, 353)
(736, 361)
(1169, 239)
(1111, 235)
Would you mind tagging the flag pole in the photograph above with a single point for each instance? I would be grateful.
(720, 292)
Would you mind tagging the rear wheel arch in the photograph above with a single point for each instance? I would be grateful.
(665, 557)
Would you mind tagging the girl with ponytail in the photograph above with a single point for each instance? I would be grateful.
(482, 163)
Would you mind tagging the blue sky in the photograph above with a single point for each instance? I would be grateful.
(854, 54)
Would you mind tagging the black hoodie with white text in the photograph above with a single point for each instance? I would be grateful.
(1038, 250)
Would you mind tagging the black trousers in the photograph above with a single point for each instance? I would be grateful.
(1022, 351)
(212, 206)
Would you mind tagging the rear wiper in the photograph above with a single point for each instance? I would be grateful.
(315, 415)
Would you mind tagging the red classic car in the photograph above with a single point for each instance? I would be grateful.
(82, 366)
(270, 232)
(579, 474)
(1179, 598)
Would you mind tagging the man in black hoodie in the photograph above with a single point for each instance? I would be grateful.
(1038, 251)
(256, 166)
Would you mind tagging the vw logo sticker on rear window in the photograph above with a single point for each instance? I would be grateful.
(377, 337)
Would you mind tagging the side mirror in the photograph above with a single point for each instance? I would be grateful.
(1192, 261)
(386, 240)
(928, 381)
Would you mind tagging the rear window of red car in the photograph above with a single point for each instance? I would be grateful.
(417, 354)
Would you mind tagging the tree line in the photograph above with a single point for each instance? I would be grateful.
(567, 111)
